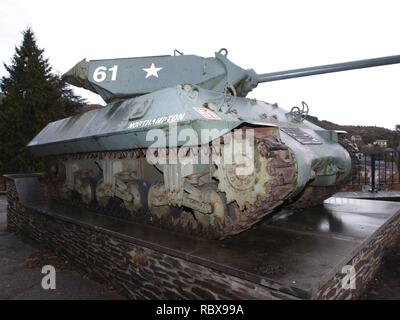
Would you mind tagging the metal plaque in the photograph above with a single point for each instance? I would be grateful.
(301, 136)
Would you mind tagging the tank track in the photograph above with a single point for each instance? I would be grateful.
(281, 169)
(352, 149)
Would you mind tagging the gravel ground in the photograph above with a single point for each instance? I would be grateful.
(20, 273)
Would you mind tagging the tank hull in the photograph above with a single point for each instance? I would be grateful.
(189, 159)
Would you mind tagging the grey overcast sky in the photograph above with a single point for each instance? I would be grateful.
(264, 35)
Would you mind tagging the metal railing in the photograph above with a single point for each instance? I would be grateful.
(377, 170)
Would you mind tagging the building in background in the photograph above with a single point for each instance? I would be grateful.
(381, 143)
(356, 138)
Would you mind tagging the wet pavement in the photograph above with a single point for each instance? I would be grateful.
(20, 278)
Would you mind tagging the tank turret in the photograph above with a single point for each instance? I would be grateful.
(130, 77)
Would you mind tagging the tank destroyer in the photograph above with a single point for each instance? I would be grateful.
(179, 145)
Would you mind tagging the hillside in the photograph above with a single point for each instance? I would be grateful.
(368, 133)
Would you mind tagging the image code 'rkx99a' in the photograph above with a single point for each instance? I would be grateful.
(101, 158)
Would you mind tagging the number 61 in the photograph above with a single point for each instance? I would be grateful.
(100, 74)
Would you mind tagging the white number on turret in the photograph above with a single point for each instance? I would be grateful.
(100, 74)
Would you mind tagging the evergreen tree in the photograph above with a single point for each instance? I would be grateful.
(72, 103)
(33, 98)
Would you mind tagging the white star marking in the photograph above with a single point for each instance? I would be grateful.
(152, 71)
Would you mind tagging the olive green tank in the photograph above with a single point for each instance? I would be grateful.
(181, 147)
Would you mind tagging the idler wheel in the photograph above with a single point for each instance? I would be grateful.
(85, 185)
(104, 193)
(135, 203)
(158, 207)
(85, 190)
(65, 193)
(216, 217)
(55, 170)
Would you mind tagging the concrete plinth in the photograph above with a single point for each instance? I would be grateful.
(306, 254)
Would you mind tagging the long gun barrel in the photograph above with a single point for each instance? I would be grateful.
(328, 68)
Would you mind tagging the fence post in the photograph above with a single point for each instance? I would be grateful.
(373, 187)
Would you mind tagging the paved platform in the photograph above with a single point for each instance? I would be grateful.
(296, 252)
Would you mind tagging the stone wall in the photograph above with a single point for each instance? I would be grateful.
(143, 273)
(13, 205)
